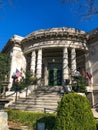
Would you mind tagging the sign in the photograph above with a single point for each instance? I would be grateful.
(40, 126)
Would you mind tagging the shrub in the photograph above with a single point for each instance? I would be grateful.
(31, 118)
(74, 113)
(96, 120)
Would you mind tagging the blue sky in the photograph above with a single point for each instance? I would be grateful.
(26, 16)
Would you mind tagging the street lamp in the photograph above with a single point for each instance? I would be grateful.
(76, 76)
(14, 76)
(4, 85)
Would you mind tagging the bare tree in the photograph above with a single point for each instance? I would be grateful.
(3, 3)
(86, 8)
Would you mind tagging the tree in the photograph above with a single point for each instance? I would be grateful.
(24, 82)
(4, 67)
(86, 8)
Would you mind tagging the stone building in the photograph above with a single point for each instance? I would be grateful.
(53, 55)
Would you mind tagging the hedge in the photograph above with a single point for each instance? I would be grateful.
(32, 118)
(74, 113)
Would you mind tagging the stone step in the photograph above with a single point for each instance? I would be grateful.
(35, 108)
(40, 99)
(43, 99)
(44, 94)
(40, 95)
(36, 99)
(37, 102)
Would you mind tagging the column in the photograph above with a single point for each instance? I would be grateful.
(39, 64)
(13, 67)
(65, 64)
(33, 62)
(46, 73)
(73, 60)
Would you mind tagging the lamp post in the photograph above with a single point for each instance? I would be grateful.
(4, 85)
(14, 76)
(76, 76)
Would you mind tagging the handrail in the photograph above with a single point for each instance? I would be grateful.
(95, 105)
(45, 109)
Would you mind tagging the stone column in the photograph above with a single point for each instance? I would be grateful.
(46, 73)
(73, 60)
(65, 64)
(33, 62)
(13, 66)
(39, 65)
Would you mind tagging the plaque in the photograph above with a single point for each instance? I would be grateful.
(40, 126)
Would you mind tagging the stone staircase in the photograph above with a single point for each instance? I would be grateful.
(43, 99)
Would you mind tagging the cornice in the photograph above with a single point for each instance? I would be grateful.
(14, 41)
(55, 34)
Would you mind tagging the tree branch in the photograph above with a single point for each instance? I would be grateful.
(85, 7)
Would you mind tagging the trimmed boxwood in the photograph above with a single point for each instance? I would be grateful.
(74, 113)
(31, 118)
(96, 120)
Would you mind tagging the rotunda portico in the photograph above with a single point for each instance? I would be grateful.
(54, 54)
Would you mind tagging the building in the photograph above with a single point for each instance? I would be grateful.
(53, 55)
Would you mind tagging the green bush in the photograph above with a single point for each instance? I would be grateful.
(32, 118)
(74, 113)
(96, 123)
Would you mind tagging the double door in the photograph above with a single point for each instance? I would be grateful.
(55, 75)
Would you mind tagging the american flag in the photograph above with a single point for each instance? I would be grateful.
(89, 76)
(86, 74)
(18, 74)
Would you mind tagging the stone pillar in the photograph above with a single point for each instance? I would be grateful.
(13, 67)
(39, 65)
(33, 62)
(3, 115)
(46, 73)
(73, 60)
(65, 64)
(3, 121)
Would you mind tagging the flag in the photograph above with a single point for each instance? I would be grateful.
(86, 74)
(18, 73)
(89, 76)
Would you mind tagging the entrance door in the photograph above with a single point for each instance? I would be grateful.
(55, 76)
